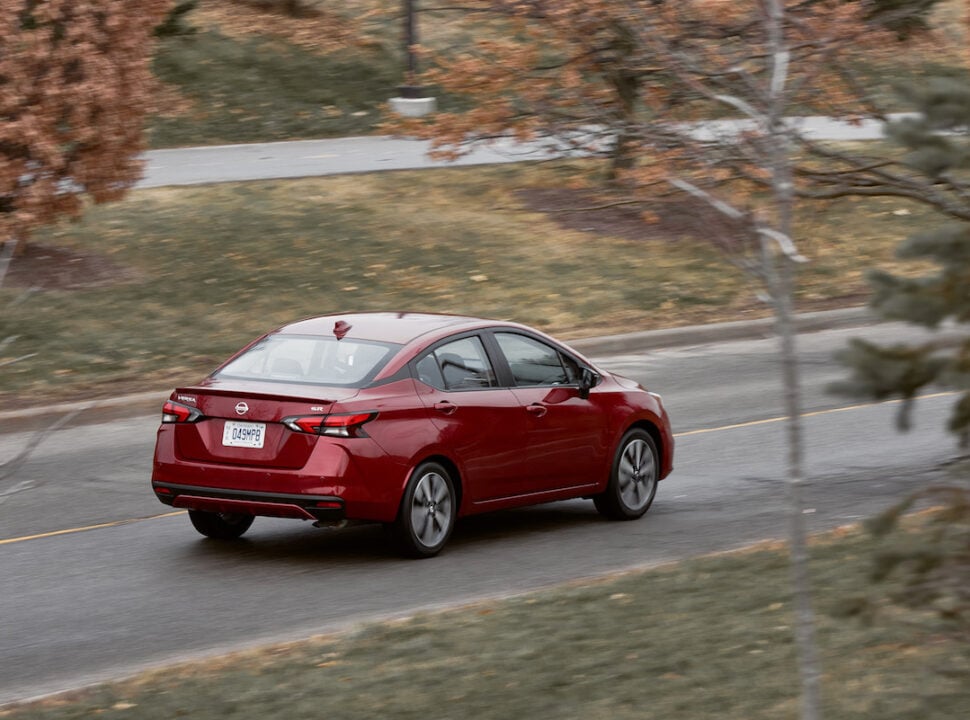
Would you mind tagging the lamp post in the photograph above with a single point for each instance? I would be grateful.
(411, 100)
(409, 89)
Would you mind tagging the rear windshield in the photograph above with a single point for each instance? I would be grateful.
(312, 360)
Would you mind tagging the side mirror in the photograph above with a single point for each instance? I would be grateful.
(587, 380)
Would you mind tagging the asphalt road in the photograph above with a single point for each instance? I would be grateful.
(83, 606)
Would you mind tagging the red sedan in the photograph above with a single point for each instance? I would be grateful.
(407, 419)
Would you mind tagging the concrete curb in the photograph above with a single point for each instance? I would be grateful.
(146, 403)
(720, 332)
(89, 412)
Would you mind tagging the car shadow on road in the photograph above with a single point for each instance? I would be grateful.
(518, 524)
(286, 541)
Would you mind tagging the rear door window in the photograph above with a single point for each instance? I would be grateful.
(457, 365)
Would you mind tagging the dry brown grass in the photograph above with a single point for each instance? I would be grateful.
(211, 267)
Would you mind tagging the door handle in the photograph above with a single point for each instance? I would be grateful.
(536, 409)
(445, 407)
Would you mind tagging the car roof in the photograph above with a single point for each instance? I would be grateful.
(395, 327)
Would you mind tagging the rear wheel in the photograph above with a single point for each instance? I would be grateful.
(427, 513)
(220, 526)
(633, 478)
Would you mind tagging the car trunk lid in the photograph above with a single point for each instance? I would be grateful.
(241, 422)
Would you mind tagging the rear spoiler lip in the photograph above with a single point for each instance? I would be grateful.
(282, 392)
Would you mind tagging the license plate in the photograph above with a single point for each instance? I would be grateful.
(243, 434)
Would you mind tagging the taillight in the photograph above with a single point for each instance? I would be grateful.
(343, 425)
(173, 412)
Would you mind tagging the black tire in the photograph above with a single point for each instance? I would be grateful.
(427, 513)
(633, 478)
(220, 526)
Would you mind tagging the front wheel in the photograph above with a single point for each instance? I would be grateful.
(220, 526)
(427, 513)
(633, 478)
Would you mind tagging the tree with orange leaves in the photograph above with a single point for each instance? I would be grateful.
(605, 76)
(75, 84)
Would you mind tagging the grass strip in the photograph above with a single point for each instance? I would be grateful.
(237, 90)
(706, 638)
(188, 275)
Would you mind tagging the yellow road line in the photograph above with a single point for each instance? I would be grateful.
(814, 413)
(70, 531)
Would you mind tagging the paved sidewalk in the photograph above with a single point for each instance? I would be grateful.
(308, 158)
(150, 402)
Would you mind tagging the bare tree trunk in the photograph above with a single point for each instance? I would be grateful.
(626, 85)
(7, 250)
(781, 276)
(804, 613)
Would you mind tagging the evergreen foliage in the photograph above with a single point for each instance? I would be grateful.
(933, 570)
(175, 21)
(937, 146)
(936, 572)
(903, 17)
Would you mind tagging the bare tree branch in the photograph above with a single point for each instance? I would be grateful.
(10, 467)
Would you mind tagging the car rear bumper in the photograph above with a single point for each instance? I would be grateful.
(321, 508)
(366, 483)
